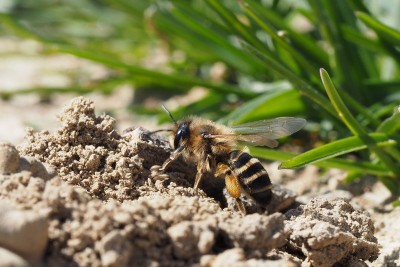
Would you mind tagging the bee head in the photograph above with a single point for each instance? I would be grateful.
(181, 131)
(181, 134)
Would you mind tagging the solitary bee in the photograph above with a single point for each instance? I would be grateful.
(213, 147)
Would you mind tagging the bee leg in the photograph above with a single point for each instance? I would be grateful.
(201, 169)
(232, 185)
(174, 155)
(240, 206)
(206, 164)
(199, 175)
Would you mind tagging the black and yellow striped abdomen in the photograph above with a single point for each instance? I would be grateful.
(252, 176)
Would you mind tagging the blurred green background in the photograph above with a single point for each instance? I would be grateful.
(250, 60)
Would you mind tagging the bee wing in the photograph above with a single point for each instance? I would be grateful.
(273, 129)
(250, 139)
(264, 132)
(257, 140)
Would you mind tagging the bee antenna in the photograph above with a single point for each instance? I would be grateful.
(169, 113)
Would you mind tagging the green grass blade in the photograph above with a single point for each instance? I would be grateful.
(332, 15)
(271, 154)
(391, 125)
(391, 86)
(339, 105)
(231, 20)
(337, 148)
(355, 38)
(385, 32)
(357, 106)
(17, 28)
(361, 40)
(267, 106)
(302, 42)
(304, 87)
(352, 176)
(212, 38)
(173, 80)
(47, 91)
(352, 123)
(392, 184)
(364, 167)
(249, 8)
(344, 164)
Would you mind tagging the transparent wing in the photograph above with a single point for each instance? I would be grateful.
(250, 139)
(257, 140)
(264, 132)
(273, 129)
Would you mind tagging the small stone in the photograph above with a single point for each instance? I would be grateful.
(34, 166)
(191, 239)
(114, 249)
(9, 158)
(110, 259)
(256, 232)
(10, 259)
(24, 232)
(123, 218)
(230, 257)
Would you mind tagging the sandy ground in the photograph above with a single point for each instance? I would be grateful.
(77, 191)
(85, 195)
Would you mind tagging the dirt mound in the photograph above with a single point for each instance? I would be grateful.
(89, 189)
(327, 232)
(88, 152)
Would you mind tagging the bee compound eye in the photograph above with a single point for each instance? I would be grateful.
(181, 134)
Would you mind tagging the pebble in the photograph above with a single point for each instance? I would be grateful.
(24, 232)
(9, 158)
(10, 259)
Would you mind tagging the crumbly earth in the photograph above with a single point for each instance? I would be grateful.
(92, 191)
(331, 231)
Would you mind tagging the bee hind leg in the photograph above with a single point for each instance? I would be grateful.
(240, 206)
(232, 185)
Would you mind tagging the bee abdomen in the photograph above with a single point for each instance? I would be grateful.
(252, 176)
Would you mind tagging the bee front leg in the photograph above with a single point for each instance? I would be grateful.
(232, 185)
(174, 155)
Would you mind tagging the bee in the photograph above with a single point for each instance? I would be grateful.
(214, 147)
